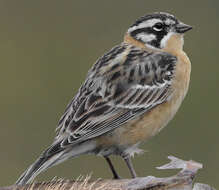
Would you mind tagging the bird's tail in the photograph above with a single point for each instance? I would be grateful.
(53, 156)
(40, 165)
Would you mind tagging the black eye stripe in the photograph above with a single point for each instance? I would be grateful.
(148, 30)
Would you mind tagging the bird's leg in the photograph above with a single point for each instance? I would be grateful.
(115, 175)
(130, 166)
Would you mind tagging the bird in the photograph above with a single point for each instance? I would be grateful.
(128, 96)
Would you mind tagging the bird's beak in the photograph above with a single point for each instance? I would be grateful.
(182, 28)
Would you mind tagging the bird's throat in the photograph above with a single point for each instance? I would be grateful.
(174, 44)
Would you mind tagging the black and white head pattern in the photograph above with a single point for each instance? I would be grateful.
(154, 29)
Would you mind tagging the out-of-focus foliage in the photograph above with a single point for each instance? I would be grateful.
(46, 48)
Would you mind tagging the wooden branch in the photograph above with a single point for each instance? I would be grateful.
(181, 181)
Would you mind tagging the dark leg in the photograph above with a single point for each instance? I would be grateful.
(115, 175)
(130, 166)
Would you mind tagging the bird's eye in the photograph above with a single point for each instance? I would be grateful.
(158, 27)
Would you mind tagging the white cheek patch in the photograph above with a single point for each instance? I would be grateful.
(146, 37)
(145, 24)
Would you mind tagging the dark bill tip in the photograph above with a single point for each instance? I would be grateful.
(182, 28)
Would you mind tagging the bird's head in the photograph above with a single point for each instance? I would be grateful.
(156, 30)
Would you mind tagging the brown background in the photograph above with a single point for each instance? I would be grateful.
(46, 48)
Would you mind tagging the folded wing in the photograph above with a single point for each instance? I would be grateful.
(122, 85)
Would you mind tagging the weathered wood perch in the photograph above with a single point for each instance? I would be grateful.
(181, 181)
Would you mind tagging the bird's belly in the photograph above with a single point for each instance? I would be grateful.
(148, 125)
(126, 138)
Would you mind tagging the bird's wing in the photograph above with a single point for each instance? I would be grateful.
(123, 84)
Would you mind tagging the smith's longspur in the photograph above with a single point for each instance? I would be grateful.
(128, 96)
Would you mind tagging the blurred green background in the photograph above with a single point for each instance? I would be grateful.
(46, 48)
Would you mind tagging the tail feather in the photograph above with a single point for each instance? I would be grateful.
(53, 156)
(40, 165)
